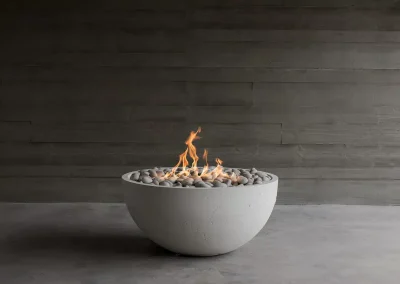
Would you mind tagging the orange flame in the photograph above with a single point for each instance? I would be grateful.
(192, 149)
(218, 171)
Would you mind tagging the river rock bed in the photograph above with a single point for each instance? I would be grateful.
(237, 177)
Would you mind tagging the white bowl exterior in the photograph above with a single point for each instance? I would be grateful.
(200, 221)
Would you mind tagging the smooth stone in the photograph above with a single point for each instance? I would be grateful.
(147, 179)
(144, 173)
(201, 184)
(156, 182)
(188, 181)
(250, 182)
(160, 173)
(261, 174)
(198, 179)
(135, 176)
(177, 184)
(165, 183)
(152, 173)
(217, 183)
(228, 182)
(247, 175)
(253, 171)
(209, 183)
(242, 180)
(258, 181)
(240, 185)
(236, 171)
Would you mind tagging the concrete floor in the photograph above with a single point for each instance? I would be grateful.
(98, 243)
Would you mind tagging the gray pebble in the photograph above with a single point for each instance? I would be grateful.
(223, 184)
(217, 183)
(201, 184)
(198, 179)
(144, 173)
(160, 173)
(177, 184)
(135, 176)
(258, 181)
(188, 181)
(240, 185)
(156, 182)
(152, 173)
(165, 183)
(261, 174)
(236, 171)
(146, 179)
(250, 182)
(247, 175)
(242, 180)
(253, 171)
(209, 183)
(228, 182)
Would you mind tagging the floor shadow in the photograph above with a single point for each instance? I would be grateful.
(78, 241)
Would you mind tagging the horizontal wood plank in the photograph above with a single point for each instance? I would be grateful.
(292, 36)
(290, 55)
(286, 173)
(110, 93)
(181, 4)
(385, 133)
(304, 19)
(266, 156)
(121, 75)
(359, 192)
(214, 134)
(241, 54)
(290, 191)
(372, 173)
(89, 39)
(99, 59)
(121, 40)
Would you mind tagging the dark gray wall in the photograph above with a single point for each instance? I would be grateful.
(306, 89)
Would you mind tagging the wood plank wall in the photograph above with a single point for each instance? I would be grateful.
(309, 90)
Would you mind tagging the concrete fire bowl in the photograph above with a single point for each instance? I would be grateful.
(200, 221)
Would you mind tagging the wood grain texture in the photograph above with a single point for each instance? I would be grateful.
(13, 75)
(305, 89)
(295, 18)
(182, 4)
(291, 191)
(133, 154)
(286, 173)
(356, 134)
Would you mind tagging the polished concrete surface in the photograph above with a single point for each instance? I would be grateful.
(99, 244)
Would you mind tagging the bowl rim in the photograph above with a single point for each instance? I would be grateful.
(126, 177)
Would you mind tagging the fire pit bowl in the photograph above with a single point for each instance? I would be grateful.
(200, 221)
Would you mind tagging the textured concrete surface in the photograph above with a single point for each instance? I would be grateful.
(98, 243)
